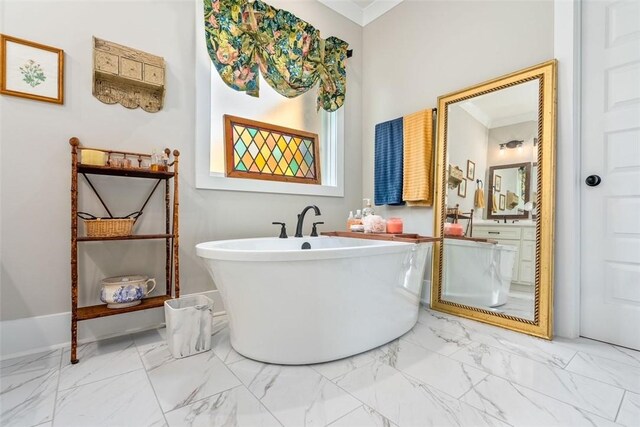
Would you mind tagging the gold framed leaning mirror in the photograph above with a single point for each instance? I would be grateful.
(494, 261)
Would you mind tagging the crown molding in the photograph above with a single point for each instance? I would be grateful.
(359, 15)
(377, 9)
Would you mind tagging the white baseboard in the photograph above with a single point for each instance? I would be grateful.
(41, 333)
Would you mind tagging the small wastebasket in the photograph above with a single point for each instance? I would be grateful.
(188, 325)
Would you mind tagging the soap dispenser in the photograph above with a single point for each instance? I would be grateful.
(368, 210)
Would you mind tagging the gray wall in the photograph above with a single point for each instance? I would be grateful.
(420, 50)
(35, 154)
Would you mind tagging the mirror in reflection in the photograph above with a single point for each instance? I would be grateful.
(510, 191)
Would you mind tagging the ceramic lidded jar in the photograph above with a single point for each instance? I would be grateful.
(125, 291)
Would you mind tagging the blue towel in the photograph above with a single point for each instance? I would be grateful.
(388, 163)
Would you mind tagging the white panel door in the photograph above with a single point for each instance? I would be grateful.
(610, 276)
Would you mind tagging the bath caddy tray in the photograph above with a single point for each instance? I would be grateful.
(406, 237)
(472, 239)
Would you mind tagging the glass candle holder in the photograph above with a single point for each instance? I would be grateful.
(395, 226)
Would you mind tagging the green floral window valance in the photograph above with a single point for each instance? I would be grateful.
(244, 38)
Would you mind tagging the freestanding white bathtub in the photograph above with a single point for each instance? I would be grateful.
(477, 273)
(292, 306)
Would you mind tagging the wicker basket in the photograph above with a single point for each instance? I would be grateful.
(108, 227)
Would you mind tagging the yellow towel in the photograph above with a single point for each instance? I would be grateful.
(417, 175)
(478, 198)
(494, 203)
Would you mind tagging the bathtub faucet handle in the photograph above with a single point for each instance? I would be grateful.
(314, 230)
(283, 230)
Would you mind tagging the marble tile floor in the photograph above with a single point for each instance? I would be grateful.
(446, 371)
(519, 304)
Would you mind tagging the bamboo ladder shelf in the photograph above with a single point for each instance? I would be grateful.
(170, 236)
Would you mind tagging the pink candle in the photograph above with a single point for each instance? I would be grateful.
(394, 225)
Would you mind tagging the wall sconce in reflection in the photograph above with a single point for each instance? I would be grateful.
(514, 143)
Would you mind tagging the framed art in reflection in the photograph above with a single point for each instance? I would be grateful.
(471, 170)
(462, 188)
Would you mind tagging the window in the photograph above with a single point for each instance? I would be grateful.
(257, 150)
(214, 100)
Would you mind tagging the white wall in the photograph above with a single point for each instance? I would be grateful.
(35, 163)
(483, 40)
(421, 50)
(440, 46)
(467, 141)
(520, 131)
(567, 47)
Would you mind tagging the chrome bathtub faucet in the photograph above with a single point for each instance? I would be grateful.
(301, 218)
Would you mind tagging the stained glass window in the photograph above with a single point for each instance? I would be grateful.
(263, 151)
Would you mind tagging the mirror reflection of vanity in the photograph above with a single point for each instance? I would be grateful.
(501, 135)
(509, 191)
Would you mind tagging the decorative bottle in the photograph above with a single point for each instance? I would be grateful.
(350, 221)
(358, 217)
(357, 222)
(155, 161)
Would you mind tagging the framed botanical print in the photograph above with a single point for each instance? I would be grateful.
(471, 170)
(502, 202)
(462, 188)
(31, 70)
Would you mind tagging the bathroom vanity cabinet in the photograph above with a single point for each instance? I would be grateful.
(170, 234)
(523, 237)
